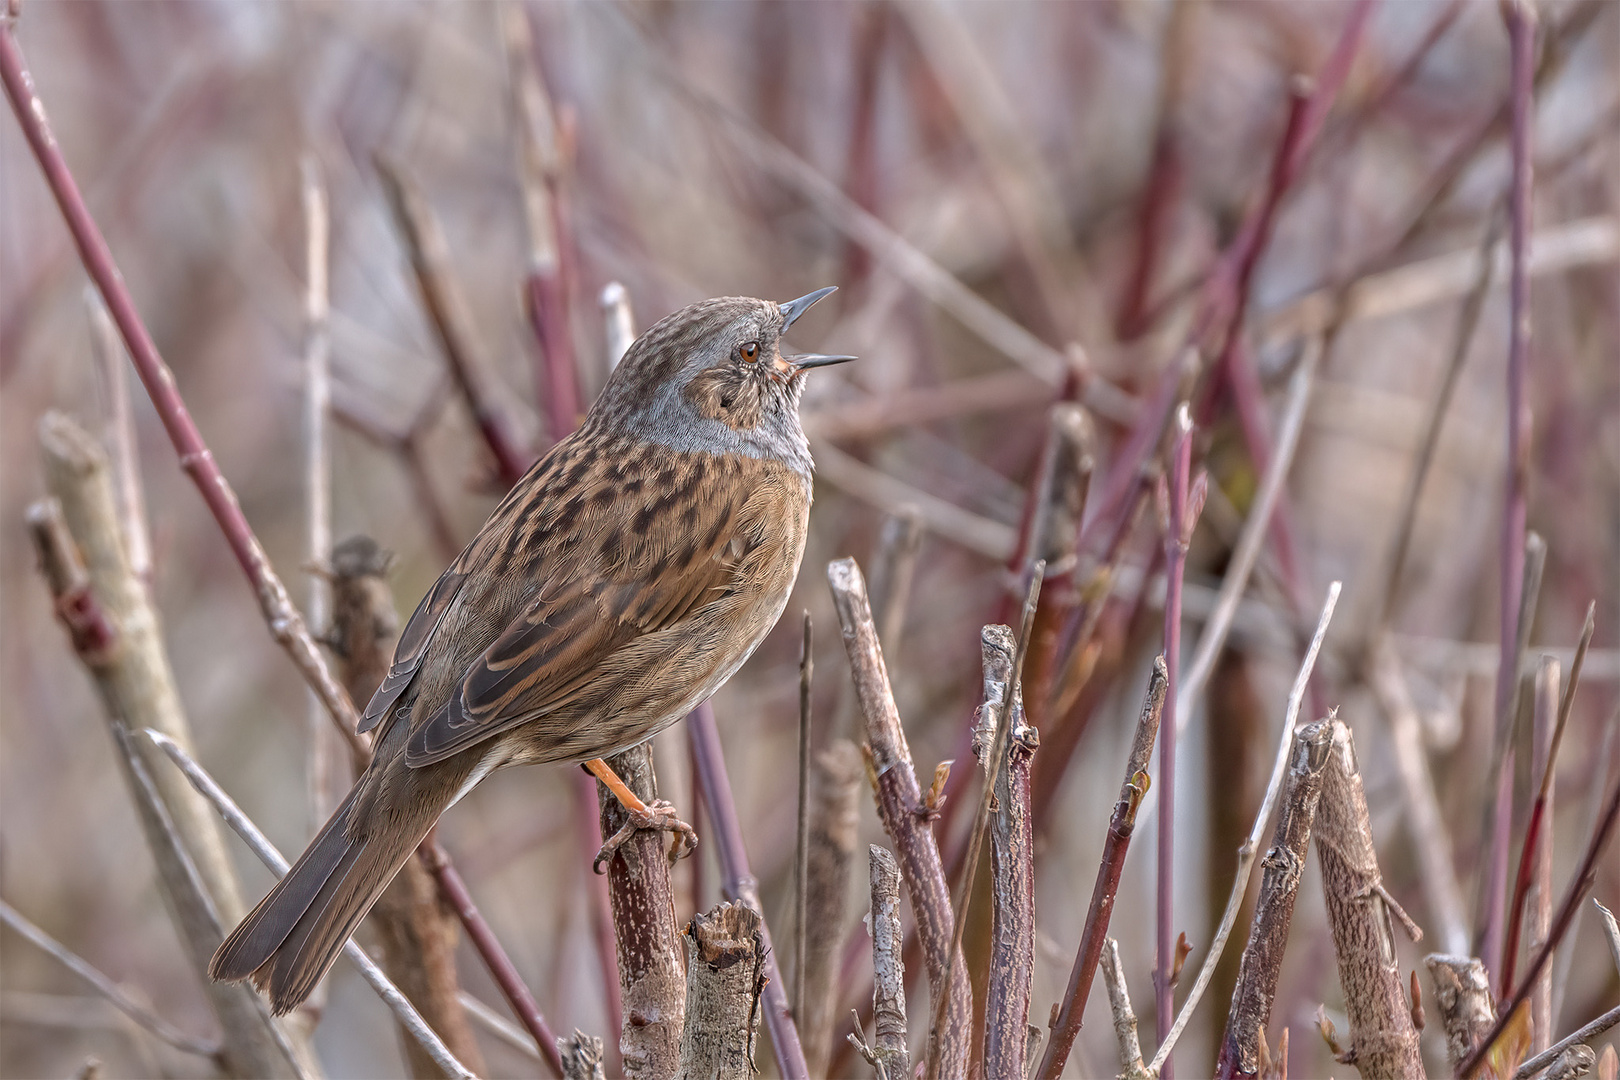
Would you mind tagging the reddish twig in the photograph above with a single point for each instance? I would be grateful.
(739, 885)
(1073, 1008)
(1538, 809)
(282, 616)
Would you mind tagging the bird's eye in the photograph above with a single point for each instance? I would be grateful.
(749, 352)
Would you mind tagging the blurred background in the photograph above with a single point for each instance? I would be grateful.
(1079, 167)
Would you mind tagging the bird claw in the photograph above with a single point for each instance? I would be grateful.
(659, 816)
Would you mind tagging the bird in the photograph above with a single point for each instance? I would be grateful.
(624, 578)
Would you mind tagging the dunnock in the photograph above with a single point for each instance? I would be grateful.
(627, 575)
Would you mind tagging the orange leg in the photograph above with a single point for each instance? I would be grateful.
(658, 815)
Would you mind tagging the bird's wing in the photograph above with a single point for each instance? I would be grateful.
(625, 564)
(413, 644)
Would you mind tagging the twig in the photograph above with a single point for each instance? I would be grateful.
(801, 847)
(1602, 762)
(1384, 1040)
(1521, 20)
(1012, 861)
(317, 383)
(620, 324)
(724, 976)
(908, 407)
(452, 321)
(1426, 823)
(992, 539)
(901, 808)
(1177, 520)
(1585, 1034)
(651, 987)
(417, 933)
(1063, 485)
(1576, 891)
(1535, 858)
(267, 853)
(499, 1026)
(106, 987)
(280, 614)
(541, 162)
(1545, 763)
(1462, 997)
(1119, 1003)
(894, 563)
(120, 437)
(1066, 1027)
(889, 1044)
(1246, 853)
(1282, 871)
(834, 820)
(740, 885)
(1235, 580)
(999, 735)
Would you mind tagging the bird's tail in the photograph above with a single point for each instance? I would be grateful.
(290, 940)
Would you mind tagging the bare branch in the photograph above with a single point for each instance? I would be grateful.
(652, 989)
(899, 799)
(1384, 1041)
(267, 853)
(725, 974)
(889, 1045)
(1119, 1003)
(1462, 997)
(834, 820)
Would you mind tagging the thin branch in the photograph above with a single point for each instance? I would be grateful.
(901, 807)
(889, 1045)
(280, 614)
(1001, 732)
(801, 847)
(267, 853)
(1242, 1048)
(1012, 862)
(1521, 27)
(106, 987)
(1066, 1026)
(1535, 858)
(1584, 1035)
(835, 821)
(1119, 1003)
(1540, 814)
(1178, 517)
(1246, 553)
(317, 382)
(740, 885)
(452, 320)
(1246, 853)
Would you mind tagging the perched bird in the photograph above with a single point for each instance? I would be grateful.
(623, 579)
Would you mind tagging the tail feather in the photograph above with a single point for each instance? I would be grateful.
(295, 934)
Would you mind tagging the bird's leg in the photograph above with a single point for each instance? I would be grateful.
(655, 815)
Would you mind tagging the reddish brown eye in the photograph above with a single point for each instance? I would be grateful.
(750, 351)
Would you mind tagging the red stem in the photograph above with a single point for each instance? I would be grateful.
(454, 891)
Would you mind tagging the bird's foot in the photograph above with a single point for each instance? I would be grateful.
(657, 815)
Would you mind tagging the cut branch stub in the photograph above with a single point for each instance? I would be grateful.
(725, 975)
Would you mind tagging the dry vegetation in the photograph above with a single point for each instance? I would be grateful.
(1051, 225)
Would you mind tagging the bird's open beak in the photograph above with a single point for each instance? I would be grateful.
(794, 308)
(812, 360)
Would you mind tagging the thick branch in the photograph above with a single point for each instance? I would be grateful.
(651, 985)
(834, 821)
(1384, 1041)
(1462, 997)
(725, 974)
(889, 1044)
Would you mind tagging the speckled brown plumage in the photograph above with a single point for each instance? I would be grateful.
(619, 584)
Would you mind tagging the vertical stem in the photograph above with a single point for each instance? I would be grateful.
(1175, 550)
(801, 860)
(1521, 22)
